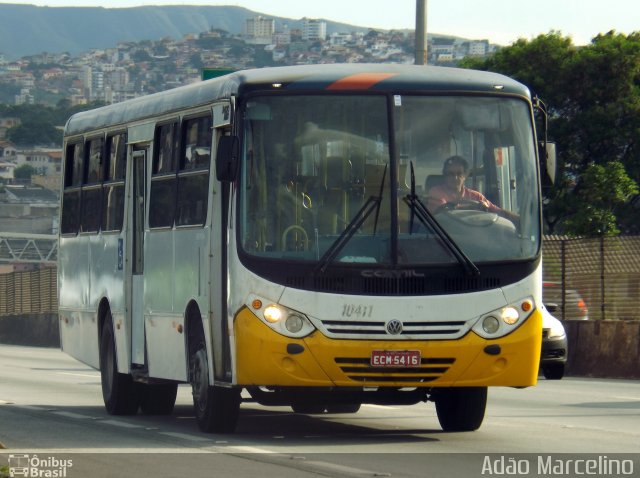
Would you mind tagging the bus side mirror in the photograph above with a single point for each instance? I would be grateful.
(227, 158)
(547, 154)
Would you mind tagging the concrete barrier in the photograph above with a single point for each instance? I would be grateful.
(38, 330)
(603, 348)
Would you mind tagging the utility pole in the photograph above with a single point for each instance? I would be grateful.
(421, 32)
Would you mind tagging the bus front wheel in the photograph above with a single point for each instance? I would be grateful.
(118, 389)
(216, 408)
(461, 409)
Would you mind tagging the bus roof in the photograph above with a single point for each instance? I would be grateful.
(353, 77)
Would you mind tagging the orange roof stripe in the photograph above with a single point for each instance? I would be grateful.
(359, 81)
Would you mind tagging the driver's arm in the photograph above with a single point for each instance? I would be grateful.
(437, 197)
(433, 202)
(495, 209)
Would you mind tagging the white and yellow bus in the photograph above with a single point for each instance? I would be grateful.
(269, 231)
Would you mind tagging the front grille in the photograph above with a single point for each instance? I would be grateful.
(360, 370)
(390, 286)
(410, 330)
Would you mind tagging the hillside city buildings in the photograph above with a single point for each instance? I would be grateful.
(129, 70)
(133, 69)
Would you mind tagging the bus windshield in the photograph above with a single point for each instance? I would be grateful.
(389, 180)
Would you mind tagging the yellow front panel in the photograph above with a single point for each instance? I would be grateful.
(262, 359)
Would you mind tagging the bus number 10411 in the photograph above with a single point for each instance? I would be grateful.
(360, 311)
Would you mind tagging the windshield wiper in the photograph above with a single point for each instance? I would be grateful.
(419, 210)
(371, 204)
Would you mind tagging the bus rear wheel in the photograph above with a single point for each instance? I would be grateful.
(216, 408)
(118, 389)
(461, 409)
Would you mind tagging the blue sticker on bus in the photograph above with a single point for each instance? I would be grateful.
(120, 253)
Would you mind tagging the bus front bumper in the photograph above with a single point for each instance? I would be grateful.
(266, 358)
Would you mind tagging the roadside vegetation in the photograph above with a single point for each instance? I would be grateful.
(41, 125)
(593, 96)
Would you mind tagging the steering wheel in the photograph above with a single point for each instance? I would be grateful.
(465, 204)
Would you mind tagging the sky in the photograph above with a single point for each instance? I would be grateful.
(499, 21)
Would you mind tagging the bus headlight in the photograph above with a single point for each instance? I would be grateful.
(283, 320)
(510, 315)
(490, 324)
(272, 314)
(500, 322)
(294, 323)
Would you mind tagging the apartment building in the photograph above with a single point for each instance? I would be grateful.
(314, 30)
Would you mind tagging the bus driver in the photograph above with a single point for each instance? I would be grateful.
(452, 192)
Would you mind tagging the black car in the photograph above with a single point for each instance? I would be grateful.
(553, 357)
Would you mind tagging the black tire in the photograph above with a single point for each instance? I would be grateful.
(118, 389)
(553, 371)
(461, 409)
(157, 399)
(216, 408)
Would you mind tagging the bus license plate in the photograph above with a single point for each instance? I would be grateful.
(395, 358)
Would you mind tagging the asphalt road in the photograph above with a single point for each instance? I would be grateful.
(51, 407)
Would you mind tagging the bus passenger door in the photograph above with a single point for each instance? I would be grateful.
(137, 256)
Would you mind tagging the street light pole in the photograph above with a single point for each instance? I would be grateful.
(421, 32)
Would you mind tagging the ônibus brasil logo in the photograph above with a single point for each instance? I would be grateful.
(38, 467)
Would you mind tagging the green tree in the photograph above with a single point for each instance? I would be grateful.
(35, 133)
(593, 96)
(602, 190)
(24, 171)
(605, 125)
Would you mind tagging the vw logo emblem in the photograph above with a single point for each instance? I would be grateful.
(394, 327)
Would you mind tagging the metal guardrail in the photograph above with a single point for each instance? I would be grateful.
(28, 248)
(29, 292)
(600, 274)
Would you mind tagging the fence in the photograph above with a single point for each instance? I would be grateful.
(33, 292)
(603, 272)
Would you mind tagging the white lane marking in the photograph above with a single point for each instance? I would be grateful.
(4, 402)
(185, 436)
(35, 408)
(96, 375)
(250, 449)
(627, 398)
(344, 469)
(72, 415)
(383, 407)
(104, 451)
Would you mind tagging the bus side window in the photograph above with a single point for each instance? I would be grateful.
(193, 175)
(90, 207)
(73, 169)
(162, 198)
(113, 190)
